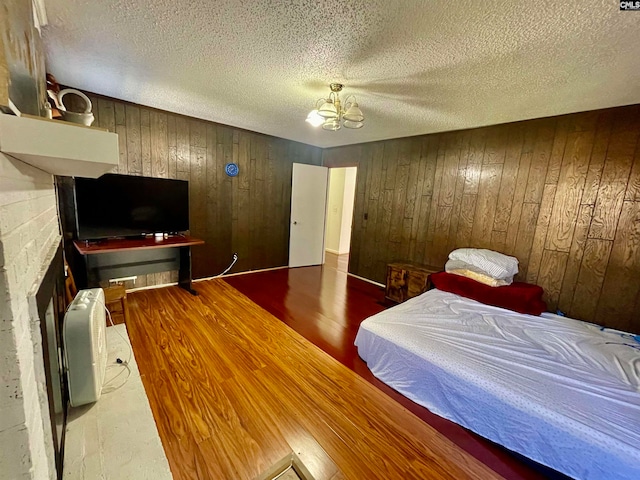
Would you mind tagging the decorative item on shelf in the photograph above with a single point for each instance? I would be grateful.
(231, 169)
(52, 107)
(48, 111)
(333, 114)
(84, 118)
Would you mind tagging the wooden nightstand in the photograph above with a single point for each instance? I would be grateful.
(407, 280)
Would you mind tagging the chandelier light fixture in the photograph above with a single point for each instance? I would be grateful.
(333, 114)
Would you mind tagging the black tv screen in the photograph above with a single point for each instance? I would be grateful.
(123, 206)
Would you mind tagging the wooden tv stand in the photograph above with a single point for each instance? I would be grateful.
(115, 258)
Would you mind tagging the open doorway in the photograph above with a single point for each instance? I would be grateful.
(340, 202)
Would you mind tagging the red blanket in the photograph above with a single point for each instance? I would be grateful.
(519, 296)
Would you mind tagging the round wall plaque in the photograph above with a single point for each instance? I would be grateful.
(231, 169)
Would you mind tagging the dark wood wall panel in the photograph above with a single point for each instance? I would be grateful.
(562, 194)
(247, 214)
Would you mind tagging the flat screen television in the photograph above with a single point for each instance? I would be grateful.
(125, 206)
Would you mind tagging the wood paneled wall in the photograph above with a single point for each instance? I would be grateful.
(561, 194)
(248, 214)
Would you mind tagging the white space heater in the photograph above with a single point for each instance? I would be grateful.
(85, 345)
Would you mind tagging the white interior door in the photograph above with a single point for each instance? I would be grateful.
(308, 210)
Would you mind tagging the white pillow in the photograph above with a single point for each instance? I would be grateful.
(488, 262)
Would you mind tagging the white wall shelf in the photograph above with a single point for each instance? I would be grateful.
(57, 147)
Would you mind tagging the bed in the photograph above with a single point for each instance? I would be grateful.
(562, 392)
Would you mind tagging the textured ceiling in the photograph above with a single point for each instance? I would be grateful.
(415, 67)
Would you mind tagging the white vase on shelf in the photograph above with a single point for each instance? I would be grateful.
(84, 118)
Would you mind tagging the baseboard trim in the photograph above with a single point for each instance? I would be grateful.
(241, 273)
(335, 252)
(151, 287)
(163, 285)
(366, 280)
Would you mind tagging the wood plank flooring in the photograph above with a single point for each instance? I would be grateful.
(233, 390)
(326, 306)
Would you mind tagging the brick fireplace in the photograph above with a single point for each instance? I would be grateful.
(29, 235)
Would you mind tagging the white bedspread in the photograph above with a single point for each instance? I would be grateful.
(562, 392)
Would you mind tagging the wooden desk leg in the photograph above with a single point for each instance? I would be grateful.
(125, 309)
(184, 274)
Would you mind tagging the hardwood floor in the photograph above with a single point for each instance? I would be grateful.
(323, 305)
(233, 390)
(326, 306)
